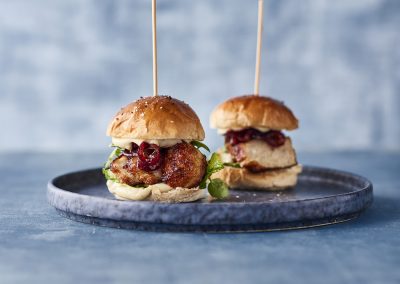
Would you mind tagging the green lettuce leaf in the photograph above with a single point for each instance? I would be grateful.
(108, 174)
(213, 165)
(106, 169)
(218, 189)
(234, 165)
(200, 145)
(114, 154)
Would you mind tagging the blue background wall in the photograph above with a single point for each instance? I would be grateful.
(67, 66)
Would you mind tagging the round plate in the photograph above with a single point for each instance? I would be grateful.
(321, 197)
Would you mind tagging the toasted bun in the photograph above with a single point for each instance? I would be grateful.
(157, 192)
(253, 111)
(157, 117)
(177, 195)
(240, 178)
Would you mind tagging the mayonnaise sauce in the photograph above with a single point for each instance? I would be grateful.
(126, 192)
(164, 143)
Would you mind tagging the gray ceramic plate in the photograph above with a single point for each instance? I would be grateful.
(321, 197)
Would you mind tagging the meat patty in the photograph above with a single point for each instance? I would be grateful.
(184, 166)
(127, 171)
(257, 155)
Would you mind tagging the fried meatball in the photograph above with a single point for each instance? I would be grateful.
(127, 171)
(184, 166)
(257, 155)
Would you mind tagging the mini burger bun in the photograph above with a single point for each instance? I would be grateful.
(157, 192)
(241, 178)
(156, 117)
(253, 111)
(177, 195)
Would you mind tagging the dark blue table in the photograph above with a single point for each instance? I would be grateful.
(38, 246)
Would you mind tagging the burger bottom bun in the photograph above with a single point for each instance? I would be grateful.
(241, 178)
(158, 192)
(177, 195)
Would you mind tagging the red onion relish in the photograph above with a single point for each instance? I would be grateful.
(274, 138)
(149, 155)
(133, 152)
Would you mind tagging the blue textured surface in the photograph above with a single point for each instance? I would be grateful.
(67, 66)
(38, 246)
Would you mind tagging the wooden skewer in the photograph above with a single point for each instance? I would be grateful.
(259, 44)
(154, 29)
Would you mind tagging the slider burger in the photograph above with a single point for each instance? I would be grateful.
(257, 155)
(156, 155)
